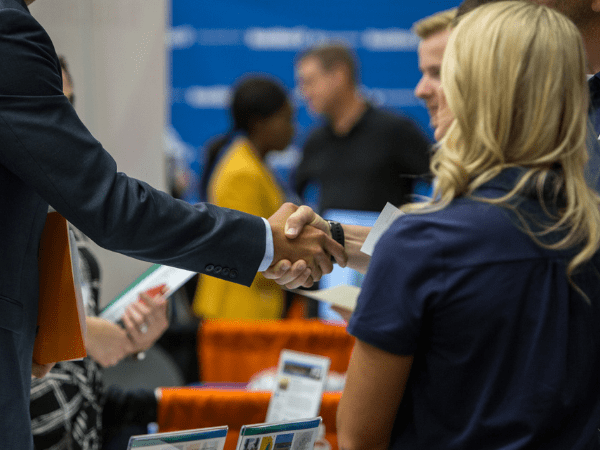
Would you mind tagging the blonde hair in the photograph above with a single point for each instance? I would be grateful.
(514, 78)
(435, 23)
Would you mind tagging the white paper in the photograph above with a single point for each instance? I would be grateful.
(343, 295)
(155, 276)
(389, 214)
(299, 386)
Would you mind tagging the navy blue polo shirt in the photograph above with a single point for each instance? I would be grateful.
(506, 352)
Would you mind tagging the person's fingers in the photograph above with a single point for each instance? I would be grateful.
(296, 270)
(305, 281)
(40, 370)
(132, 328)
(337, 251)
(300, 280)
(278, 270)
(323, 266)
(304, 215)
(144, 308)
(133, 313)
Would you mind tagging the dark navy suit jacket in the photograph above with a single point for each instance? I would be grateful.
(47, 156)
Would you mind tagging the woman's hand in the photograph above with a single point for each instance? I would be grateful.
(106, 342)
(146, 320)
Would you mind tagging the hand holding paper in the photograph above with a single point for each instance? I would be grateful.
(106, 342)
(146, 320)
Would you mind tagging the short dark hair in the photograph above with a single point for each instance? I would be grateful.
(254, 97)
(331, 55)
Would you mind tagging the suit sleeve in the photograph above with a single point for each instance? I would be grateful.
(44, 143)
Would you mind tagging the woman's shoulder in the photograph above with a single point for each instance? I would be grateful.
(467, 231)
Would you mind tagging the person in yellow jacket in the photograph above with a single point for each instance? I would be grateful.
(237, 177)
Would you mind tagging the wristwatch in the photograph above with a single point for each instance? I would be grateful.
(337, 233)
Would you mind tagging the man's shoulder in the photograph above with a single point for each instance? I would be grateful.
(12, 4)
(389, 118)
(31, 66)
(317, 135)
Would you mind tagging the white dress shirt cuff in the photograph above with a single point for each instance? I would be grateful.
(269, 250)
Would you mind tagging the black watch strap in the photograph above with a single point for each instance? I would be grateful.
(337, 232)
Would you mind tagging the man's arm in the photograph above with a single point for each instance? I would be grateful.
(46, 146)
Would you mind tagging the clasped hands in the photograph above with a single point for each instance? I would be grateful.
(303, 247)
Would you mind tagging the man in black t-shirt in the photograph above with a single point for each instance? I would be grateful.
(363, 156)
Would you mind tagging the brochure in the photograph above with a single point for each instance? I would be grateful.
(296, 435)
(299, 386)
(198, 439)
(343, 295)
(389, 214)
(157, 275)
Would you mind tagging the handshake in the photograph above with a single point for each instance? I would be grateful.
(303, 247)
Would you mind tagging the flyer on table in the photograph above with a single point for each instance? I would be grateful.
(299, 386)
(295, 435)
(198, 439)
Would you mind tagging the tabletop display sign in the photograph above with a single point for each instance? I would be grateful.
(150, 281)
(299, 386)
(198, 439)
(295, 435)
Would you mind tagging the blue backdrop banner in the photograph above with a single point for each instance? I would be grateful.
(212, 43)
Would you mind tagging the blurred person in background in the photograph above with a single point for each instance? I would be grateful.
(69, 407)
(363, 156)
(237, 177)
(433, 32)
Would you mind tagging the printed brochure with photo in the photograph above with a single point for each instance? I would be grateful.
(295, 435)
(299, 386)
(198, 439)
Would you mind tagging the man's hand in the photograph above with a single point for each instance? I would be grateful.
(311, 246)
(40, 370)
(146, 321)
(354, 237)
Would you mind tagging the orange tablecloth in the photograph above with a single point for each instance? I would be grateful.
(233, 351)
(188, 408)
